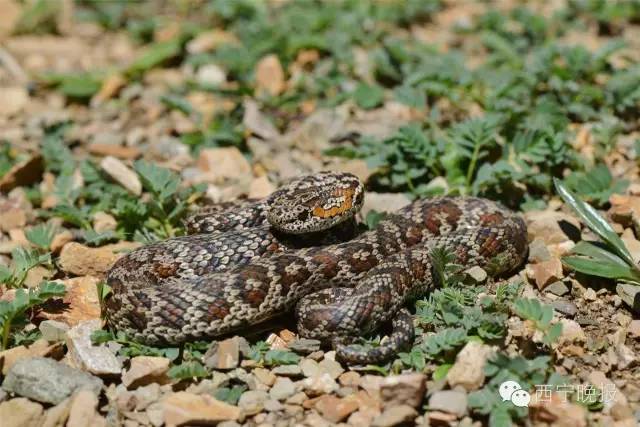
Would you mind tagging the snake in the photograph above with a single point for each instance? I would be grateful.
(299, 250)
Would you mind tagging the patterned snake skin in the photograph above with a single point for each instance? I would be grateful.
(249, 264)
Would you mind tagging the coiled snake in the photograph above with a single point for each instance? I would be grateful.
(246, 263)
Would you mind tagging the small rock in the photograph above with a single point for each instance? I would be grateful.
(186, 408)
(331, 367)
(395, 415)
(22, 174)
(538, 251)
(265, 376)
(40, 348)
(53, 331)
(282, 389)
(211, 75)
(558, 288)
(617, 404)
(260, 188)
(270, 76)
(550, 226)
(335, 409)
(450, 401)
(82, 260)
(57, 415)
(80, 299)
(590, 295)
(405, 389)
(260, 125)
(468, 369)
(252, 402)
(571, 332)
(20, 412)
(48, 381)
(287, 370)
(115, 150)
(12, 217)
(630, 294)
(320, 384)
(210, 40)
(304, 345)
(82, 410)
(145, 370)
(383, 202)
(309, 368)
(221, 164)
(225, 354)
(556, 410)
(565, 307)
(14, 99)
(104, 222)
(477, 274)
(98, 360)
(350, 379)
(59, 240)
(626, 357)
(122, 174)
(110, 88)
(545, 272)
(634, 329)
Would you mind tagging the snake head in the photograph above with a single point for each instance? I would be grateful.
(317, 208)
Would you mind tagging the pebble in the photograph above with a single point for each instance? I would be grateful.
(48, 381)
(558, 288)
(538, 251)
(145, 370)
(82, 410)
(331, 367)
(549, 226)
(335, 409)
(119, 151)
(545, 273)
(320, 384)
(287, 370)
(20, 412)
(407, 389)
(304, 345)
(81, 260)
(186, 408)
(565, 307)
(590, 295)
(226, 354)
(53, 331)
(571, 332)
(22, 174)
(98, 360)
(450, 401)
(630, 294)
(395, 415)
(634, 329)
(40, 348)
(265, 376)
(468, 369)
(383, 202)
(309, 368)
(221, 164)
(80, 299)
(252, 402)
(556, 411)
(477, 274)
(270, 77)
(282, 389)
(103, 222)
(211, 75)
(349, 379)
(122, 174)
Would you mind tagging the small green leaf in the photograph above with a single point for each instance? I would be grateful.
(281, 357)
(187, 370)
(155, 55)
(594, 221)
(367, 96)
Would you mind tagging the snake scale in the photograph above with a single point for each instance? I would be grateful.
(247, 262)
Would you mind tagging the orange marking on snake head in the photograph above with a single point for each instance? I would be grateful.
(347, 204)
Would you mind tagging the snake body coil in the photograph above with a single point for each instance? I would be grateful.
(250, 263)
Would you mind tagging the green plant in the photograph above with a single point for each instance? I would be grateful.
(541, 315)
(23, 261)
(13, 313)
(41, 235)
(611, 258)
